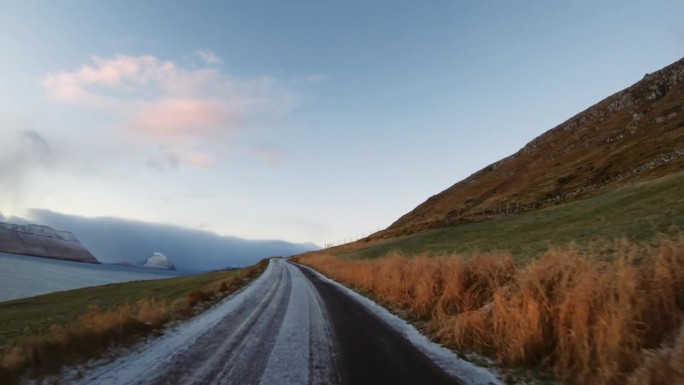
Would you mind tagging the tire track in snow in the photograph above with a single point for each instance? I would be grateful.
(290, 326)
(243, 339)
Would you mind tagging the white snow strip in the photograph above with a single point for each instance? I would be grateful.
(157, 353)
(289, 360)
(443, 357)
(303, 352)
(324, 359)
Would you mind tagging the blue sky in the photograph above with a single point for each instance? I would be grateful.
(309, 121)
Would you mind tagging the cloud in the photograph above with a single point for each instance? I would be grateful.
(201, 160)
(129, 41)
(315, 78)
(171, 160)
(168, 161)
(25, 154)
(209, 57)
(36, 140)
(121, 41)
(178, 118)
(268, 153)
(38, 165)
(160, 103)
(22, 151)
(310, 79)
(117, 240)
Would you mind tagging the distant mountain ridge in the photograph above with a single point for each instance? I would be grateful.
(635, 133)
(42, 241)
(116, 240)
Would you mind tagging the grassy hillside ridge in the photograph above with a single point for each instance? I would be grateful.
(567, 255)
(43, 332)
(615, 140)
(639, 211)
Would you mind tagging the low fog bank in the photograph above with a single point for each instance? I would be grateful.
(119, 240)
(15, 220)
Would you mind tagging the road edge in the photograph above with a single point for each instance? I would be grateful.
(444, 358)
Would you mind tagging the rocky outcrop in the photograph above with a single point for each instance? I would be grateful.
(159, 261)
(43, 241)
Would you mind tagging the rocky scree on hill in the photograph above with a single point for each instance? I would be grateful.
(635, 133)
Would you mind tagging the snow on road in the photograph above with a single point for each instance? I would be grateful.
(272, 332)
(280, 330)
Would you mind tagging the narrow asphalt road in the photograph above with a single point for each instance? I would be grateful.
(290, 326)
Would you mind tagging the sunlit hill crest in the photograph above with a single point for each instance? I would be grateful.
(637, 133)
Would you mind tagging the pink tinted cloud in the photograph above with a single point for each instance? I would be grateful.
(202, 160)
(268, 153)
(64, 88)
(165, 104)
(178, 117)
(114, 71)
(73, 86)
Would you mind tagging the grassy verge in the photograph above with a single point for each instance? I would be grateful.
(640, 212)
(586, 318)
(42, 333)
(549, 288)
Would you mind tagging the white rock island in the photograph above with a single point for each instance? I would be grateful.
(159, 261)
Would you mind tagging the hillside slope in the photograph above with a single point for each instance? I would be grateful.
(642, 212)
(635, 133)
(43, 241)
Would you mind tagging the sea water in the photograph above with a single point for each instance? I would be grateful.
(24, 276)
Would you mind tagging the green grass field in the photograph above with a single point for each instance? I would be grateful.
(639, 212)
(33, 316)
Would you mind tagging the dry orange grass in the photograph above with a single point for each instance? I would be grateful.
(664, 366)
(93, 332)
(586, 320)
(98, 329)
(153, 312)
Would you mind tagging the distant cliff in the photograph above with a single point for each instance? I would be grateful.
(43, 241)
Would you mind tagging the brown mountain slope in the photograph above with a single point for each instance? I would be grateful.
(635, 133)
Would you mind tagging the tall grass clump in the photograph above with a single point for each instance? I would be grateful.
(91, 333)
(587, 318)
